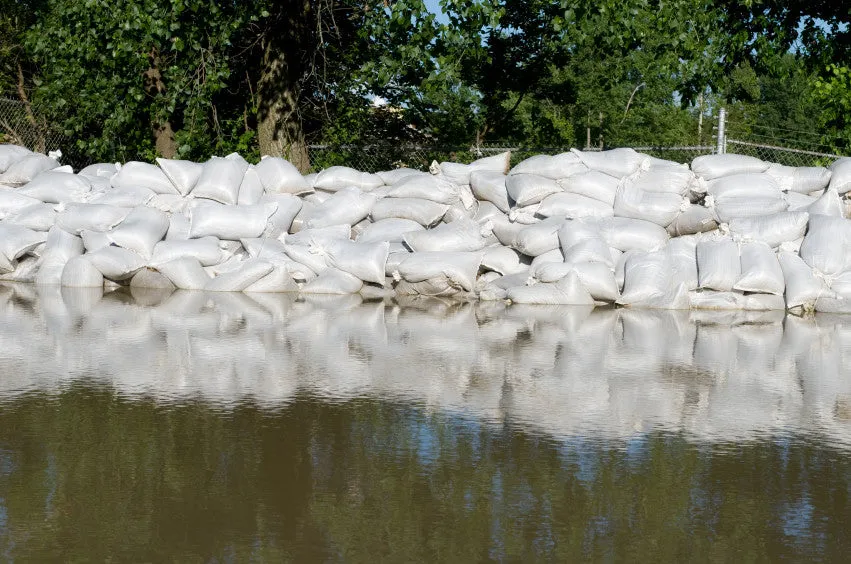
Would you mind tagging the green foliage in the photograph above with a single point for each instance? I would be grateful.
(832, 93)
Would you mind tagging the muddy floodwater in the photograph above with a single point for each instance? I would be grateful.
(197, 427)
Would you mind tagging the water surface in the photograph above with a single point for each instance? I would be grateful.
(226, 427)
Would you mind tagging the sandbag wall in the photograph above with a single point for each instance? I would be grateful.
(583, 228)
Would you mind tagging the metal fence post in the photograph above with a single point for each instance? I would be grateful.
(722, 135)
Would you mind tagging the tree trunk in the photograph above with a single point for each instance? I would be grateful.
(279, 126)
(162, 130)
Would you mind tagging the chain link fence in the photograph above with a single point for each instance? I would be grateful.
(20, 124)
(785, 146)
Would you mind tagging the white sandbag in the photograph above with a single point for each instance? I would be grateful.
(183, 175)
(272, 250)
(614, 162)
(712, 300)
(249, 272)
(391, 230)
(656, 207)
(490, 187)
(802, 179)
(282, 219)
(505, 230)
(336, 178)
(803, 287)
(94, 240)
(692, 220)
(100, 170)
(424, 212)
(220, 180)
(772, 229)
(582, 241)
(135, 173)
(60, 247)
(178, 227)
(348, 206)
(555, 166)
(840, 178)
(537, 239)
(229, 222)
(140, 231)
(573, 206)
(718, 265)
(743, 186)
(205, 250)
(279, 176)
(426, 186)
(169, 203)
(127, 197)
(390, 177)
(25, 270)
(461, 235)
(16, 241)
(10, 154)
(669, 180)
(527, 215)
(40, 217)
(460, 173)
(828, 203)
(366, 261)
(333, 281)
(596, 277)
(682, 260)
(625, 234)
(116, 263)
(185, 273)
(827, 245)
(57, 188)
(318, 235)
(501, 259)
(593, 184)
(646, 276)
(277, 281)
(12, 202)
(459, 269)
(760, 270)
(528, 189)
(715, 166)
(567, 291)
(798, 202)
(151, 279)
(729, 209)
(79, 272)
(26, 169)
(251, 190)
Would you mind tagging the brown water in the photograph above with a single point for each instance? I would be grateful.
(205, 427)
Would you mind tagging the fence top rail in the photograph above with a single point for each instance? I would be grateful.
(786, 149)
(473, 148)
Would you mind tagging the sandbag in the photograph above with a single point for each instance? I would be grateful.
(802, 179)
(461, 235)
(460, 173)
(333, 281)
(116, 263)
(279, 176)
(60, 247)
(803, 287)
(16, 241)
(185, 273)
(555, 166)
(582, 241)
(827, 245)
(251, 190)
(140, 231)
(668, 180)
(840, 175)
(537, 239)
(596, 277)
(527, 189)
(593, 184)
(220, 180)
(647, 275)
(427, 187)
(229, 222)
(151, 279)
(10, 154)
(710, 167)
(459, 269)
(712, 300)
(57, 188)
(718, 266)
(567, 291)
(728, 209)
(94, 240)
(772, 229)
(27, 168)
(627, 234)
(39, 217)
(502, 260)
(573, 206)
(390, 177)
(828, 203)
(760, 270)
(743, 186)
(366, 261)
(12, 202)
(682, 260)
(100, 170)
(614, 162)
(79, 272)
(424, 212)
(490, 187)
(127, 197)
(391, 230)
(183, 175)
(348, 206)
(336, 178)
(249, 272)
(135, 173)
(205, 250)
(656, 207)
(282, 219)
(692, 220)
(278, 280)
